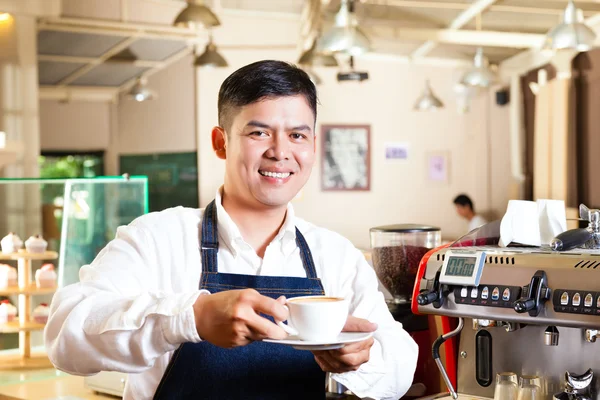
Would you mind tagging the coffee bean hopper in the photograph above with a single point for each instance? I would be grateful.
(396, 251)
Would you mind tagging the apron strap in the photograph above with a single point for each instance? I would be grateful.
(306, 255)
(209, 245)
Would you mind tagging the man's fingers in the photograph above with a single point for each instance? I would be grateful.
(325, 367)
(354, 324)
(355, 347)
(263, 328)
(269, 306)
(335, 364)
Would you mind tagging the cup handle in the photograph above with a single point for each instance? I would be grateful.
(289, 330)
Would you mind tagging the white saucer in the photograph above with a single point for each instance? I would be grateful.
(343, 339)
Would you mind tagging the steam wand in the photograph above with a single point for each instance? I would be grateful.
(436, 355)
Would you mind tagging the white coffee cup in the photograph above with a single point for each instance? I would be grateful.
(316, 318)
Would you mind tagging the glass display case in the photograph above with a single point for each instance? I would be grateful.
(77, 217)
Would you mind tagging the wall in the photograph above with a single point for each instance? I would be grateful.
(400, 191)
(166, 124)
(78, 125)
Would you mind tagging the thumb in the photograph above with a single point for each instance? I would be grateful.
(281, 300)
(354, 324)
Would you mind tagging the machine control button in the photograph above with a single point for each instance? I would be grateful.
(464, 292)
(474, 293)
(485, 293)
(576, 300)
(589, 300)
(495, 293)
(506, 294)
(564, 299)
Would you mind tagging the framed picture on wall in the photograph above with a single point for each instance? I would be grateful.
(438, 166)
(346, 157)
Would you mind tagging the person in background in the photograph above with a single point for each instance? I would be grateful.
(182, 299)
(465, 208)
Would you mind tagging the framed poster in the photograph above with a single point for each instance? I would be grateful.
(438, 166)
(346, 157)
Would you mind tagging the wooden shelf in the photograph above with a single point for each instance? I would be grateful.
(31, 290)
(14, 362)
(47, 255)
(15, 326)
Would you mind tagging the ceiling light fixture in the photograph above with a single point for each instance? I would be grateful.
(428, 101)
(572, 33)
(196, 13)
(140, 92)
(480, 74)
(345, 36)
(211, 57)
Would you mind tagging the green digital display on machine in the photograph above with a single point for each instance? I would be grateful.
(461, 266)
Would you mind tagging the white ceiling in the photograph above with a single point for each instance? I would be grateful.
(70, 55)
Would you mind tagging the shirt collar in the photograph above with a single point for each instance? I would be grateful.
(230, 235)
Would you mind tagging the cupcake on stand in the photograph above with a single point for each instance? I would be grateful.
(36, 244)
(11, 243)
(8, 276)
(45, 277)
(40, 313)
(8, 312)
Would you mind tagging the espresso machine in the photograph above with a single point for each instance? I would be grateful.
(529, 311)
(396, 251)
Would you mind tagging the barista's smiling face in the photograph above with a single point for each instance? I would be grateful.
(269, 151)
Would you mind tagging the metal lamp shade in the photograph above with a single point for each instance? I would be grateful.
(196, 13)
(139, 92)
(428, 100)
(210, 57)
(480, 75)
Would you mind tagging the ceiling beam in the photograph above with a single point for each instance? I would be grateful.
(73, 93)
(115, 28)
(477, 7)
(90, 60)
(519, 9)
(469, 37)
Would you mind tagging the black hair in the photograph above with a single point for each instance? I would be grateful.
(464, 200)
(262, 80)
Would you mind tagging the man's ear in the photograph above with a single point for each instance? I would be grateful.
(219, 141)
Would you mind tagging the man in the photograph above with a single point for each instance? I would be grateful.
(465, 208)
(181, 299)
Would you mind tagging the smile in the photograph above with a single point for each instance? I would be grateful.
(280, 175)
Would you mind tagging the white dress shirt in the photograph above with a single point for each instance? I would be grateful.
(476, 222)
(133, 305)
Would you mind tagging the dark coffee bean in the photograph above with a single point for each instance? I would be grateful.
(396, 267)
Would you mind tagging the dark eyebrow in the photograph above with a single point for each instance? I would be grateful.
(302, 128)
(258, 124)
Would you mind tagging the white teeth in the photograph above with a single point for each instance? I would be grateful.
(280, 175)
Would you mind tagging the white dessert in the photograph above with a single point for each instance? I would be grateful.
(36, 244)
(45, 277)
(8, 276)
(11, 243)
(8, 312)
(40, 313)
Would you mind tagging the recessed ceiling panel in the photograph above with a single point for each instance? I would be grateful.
(50, 73)
(156, 49)
(75, 44)
(109, 75)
